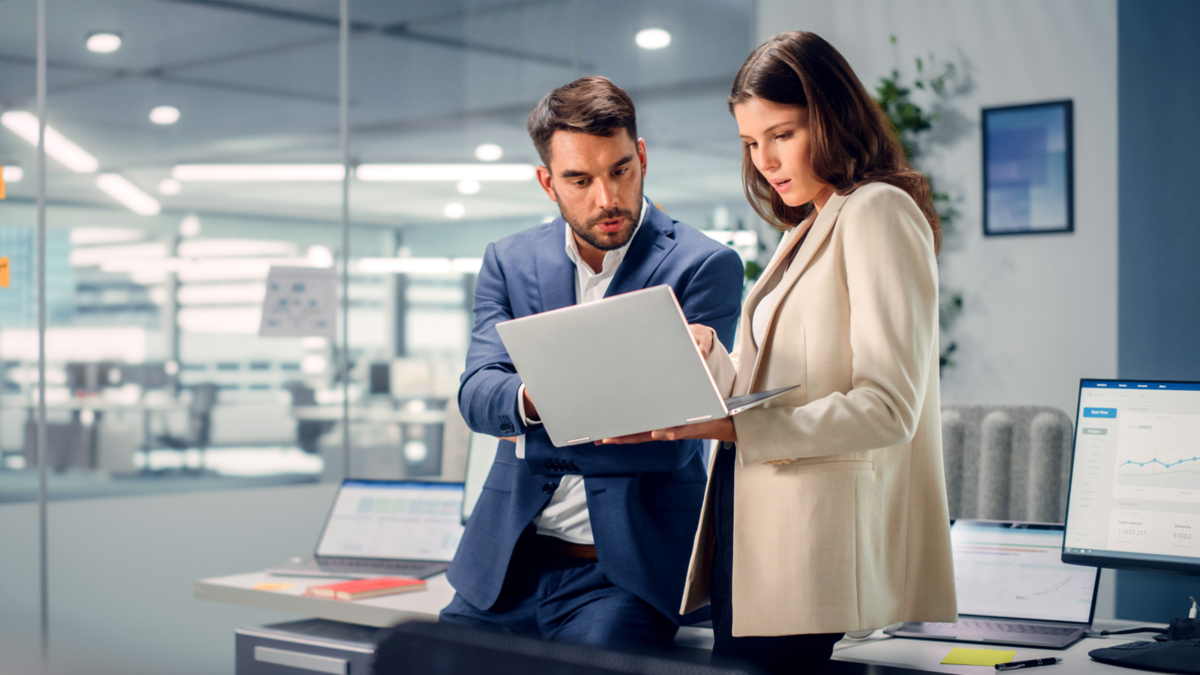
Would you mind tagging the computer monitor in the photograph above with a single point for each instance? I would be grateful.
(1134, 495)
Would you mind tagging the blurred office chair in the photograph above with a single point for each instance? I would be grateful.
(1007, 462)
(199, 427)
(449, 649)
(308, 432)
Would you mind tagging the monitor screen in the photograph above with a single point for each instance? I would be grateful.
(405, 520)
(1134, 499)
(1012, 570)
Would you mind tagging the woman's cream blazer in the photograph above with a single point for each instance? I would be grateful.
(840, 517)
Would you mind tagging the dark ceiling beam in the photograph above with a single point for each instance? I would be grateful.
(400, 31)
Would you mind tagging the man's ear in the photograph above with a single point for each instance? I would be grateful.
(641, 153)
(544, 178)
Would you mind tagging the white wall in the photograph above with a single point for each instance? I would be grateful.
(1040, 310)
(121, 573)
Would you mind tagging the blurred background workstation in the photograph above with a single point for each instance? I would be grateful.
(193, 145)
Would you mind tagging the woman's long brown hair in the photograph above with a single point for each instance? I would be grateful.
(852, 140)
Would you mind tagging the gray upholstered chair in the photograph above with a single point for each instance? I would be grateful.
(1007, 462)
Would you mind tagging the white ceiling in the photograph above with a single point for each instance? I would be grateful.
(256, 81)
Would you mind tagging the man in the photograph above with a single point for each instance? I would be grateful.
(588, 543)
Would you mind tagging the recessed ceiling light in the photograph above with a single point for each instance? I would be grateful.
(469, 186)
(13, 174)
(489, 152)
(165, 114)
(454, 210)
(103, 42)
(653, 38)
(190, 225)
(169, 186)
(258, 172)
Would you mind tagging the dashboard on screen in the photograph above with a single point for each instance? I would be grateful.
(1134, 499)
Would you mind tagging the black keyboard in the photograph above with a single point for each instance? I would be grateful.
(374, 564)
(1150, 644)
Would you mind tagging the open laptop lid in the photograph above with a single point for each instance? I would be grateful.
(393, 520)
(1013, 570)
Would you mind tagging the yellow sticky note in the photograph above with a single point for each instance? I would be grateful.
(269, 586)
(977, 657)
(3, 272)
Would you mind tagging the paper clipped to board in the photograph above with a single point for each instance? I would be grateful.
(300, 302)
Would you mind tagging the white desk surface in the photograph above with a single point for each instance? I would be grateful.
(424, 605)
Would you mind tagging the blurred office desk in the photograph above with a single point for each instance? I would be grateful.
(878, 653)
(383, 611)
(926, 655)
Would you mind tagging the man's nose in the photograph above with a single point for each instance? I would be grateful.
(606, 194)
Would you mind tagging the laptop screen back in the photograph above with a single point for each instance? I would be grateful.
(1014, 571)
(403, 520)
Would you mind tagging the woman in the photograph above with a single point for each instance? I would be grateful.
(829, 514)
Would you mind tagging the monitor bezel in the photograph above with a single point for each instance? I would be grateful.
(1104, 561)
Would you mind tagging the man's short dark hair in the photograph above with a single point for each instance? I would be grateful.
(589, 105)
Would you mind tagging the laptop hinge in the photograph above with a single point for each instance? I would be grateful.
(577, 441)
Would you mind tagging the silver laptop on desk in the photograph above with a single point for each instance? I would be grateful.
(386, 527)
(1013, 588)
(621, 365)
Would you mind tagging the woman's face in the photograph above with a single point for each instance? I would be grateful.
(778, 141)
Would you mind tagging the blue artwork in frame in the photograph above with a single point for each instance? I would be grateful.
(1028, 169)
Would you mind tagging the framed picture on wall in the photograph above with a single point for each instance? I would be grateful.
(1028, 169)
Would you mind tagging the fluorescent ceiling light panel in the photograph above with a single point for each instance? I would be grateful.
(454, 210)
(468, 187)
(72, 156)
(13, 174)
(95, 255)
(652, 38)
(120, 189)
(446, 172)
(222, 294)
(169, 186)
(164, 114)
(103, 43)
(224, 248)
(88, 236)
(419, 265)
(283, 173)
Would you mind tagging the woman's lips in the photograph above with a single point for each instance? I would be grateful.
(781, 185)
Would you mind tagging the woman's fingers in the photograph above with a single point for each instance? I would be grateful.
(703, 337)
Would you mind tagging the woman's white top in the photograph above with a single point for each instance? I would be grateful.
(764, 310)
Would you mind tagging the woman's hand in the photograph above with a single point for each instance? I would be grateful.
(721, 430)
(703, 337)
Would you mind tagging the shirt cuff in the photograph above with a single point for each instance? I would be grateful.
(521, 408)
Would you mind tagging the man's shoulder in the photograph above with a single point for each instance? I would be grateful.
(522, 243)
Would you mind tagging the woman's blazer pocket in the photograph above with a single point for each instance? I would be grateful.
(826, 465)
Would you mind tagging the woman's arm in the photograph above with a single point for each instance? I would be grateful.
(891, 279)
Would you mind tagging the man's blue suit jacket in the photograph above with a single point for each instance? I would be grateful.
(644, 500)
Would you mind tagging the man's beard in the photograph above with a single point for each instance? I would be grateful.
(597, 240)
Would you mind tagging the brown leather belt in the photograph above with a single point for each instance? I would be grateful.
(553, 546)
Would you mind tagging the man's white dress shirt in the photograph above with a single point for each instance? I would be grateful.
(566, 516)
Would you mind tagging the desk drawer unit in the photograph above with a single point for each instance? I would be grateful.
(306, 648)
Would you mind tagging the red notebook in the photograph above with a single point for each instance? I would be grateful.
(366, 588)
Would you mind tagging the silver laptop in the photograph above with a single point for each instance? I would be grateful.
(1013, 588)
(385, 527)
(618, 366)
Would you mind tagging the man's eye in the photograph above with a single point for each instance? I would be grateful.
(620, 172)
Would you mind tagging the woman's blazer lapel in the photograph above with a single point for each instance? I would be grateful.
(817, 234)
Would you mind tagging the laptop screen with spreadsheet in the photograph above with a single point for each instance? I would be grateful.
(402, 520)
(1014, 571)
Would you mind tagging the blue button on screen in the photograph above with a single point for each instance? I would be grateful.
(1110, 413)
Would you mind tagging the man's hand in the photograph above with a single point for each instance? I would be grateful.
(703, 337)
(721, 430)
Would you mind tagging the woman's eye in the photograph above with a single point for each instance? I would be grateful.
(784, 136)
(751, 146)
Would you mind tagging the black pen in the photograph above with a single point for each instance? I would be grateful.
(1013, 665)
